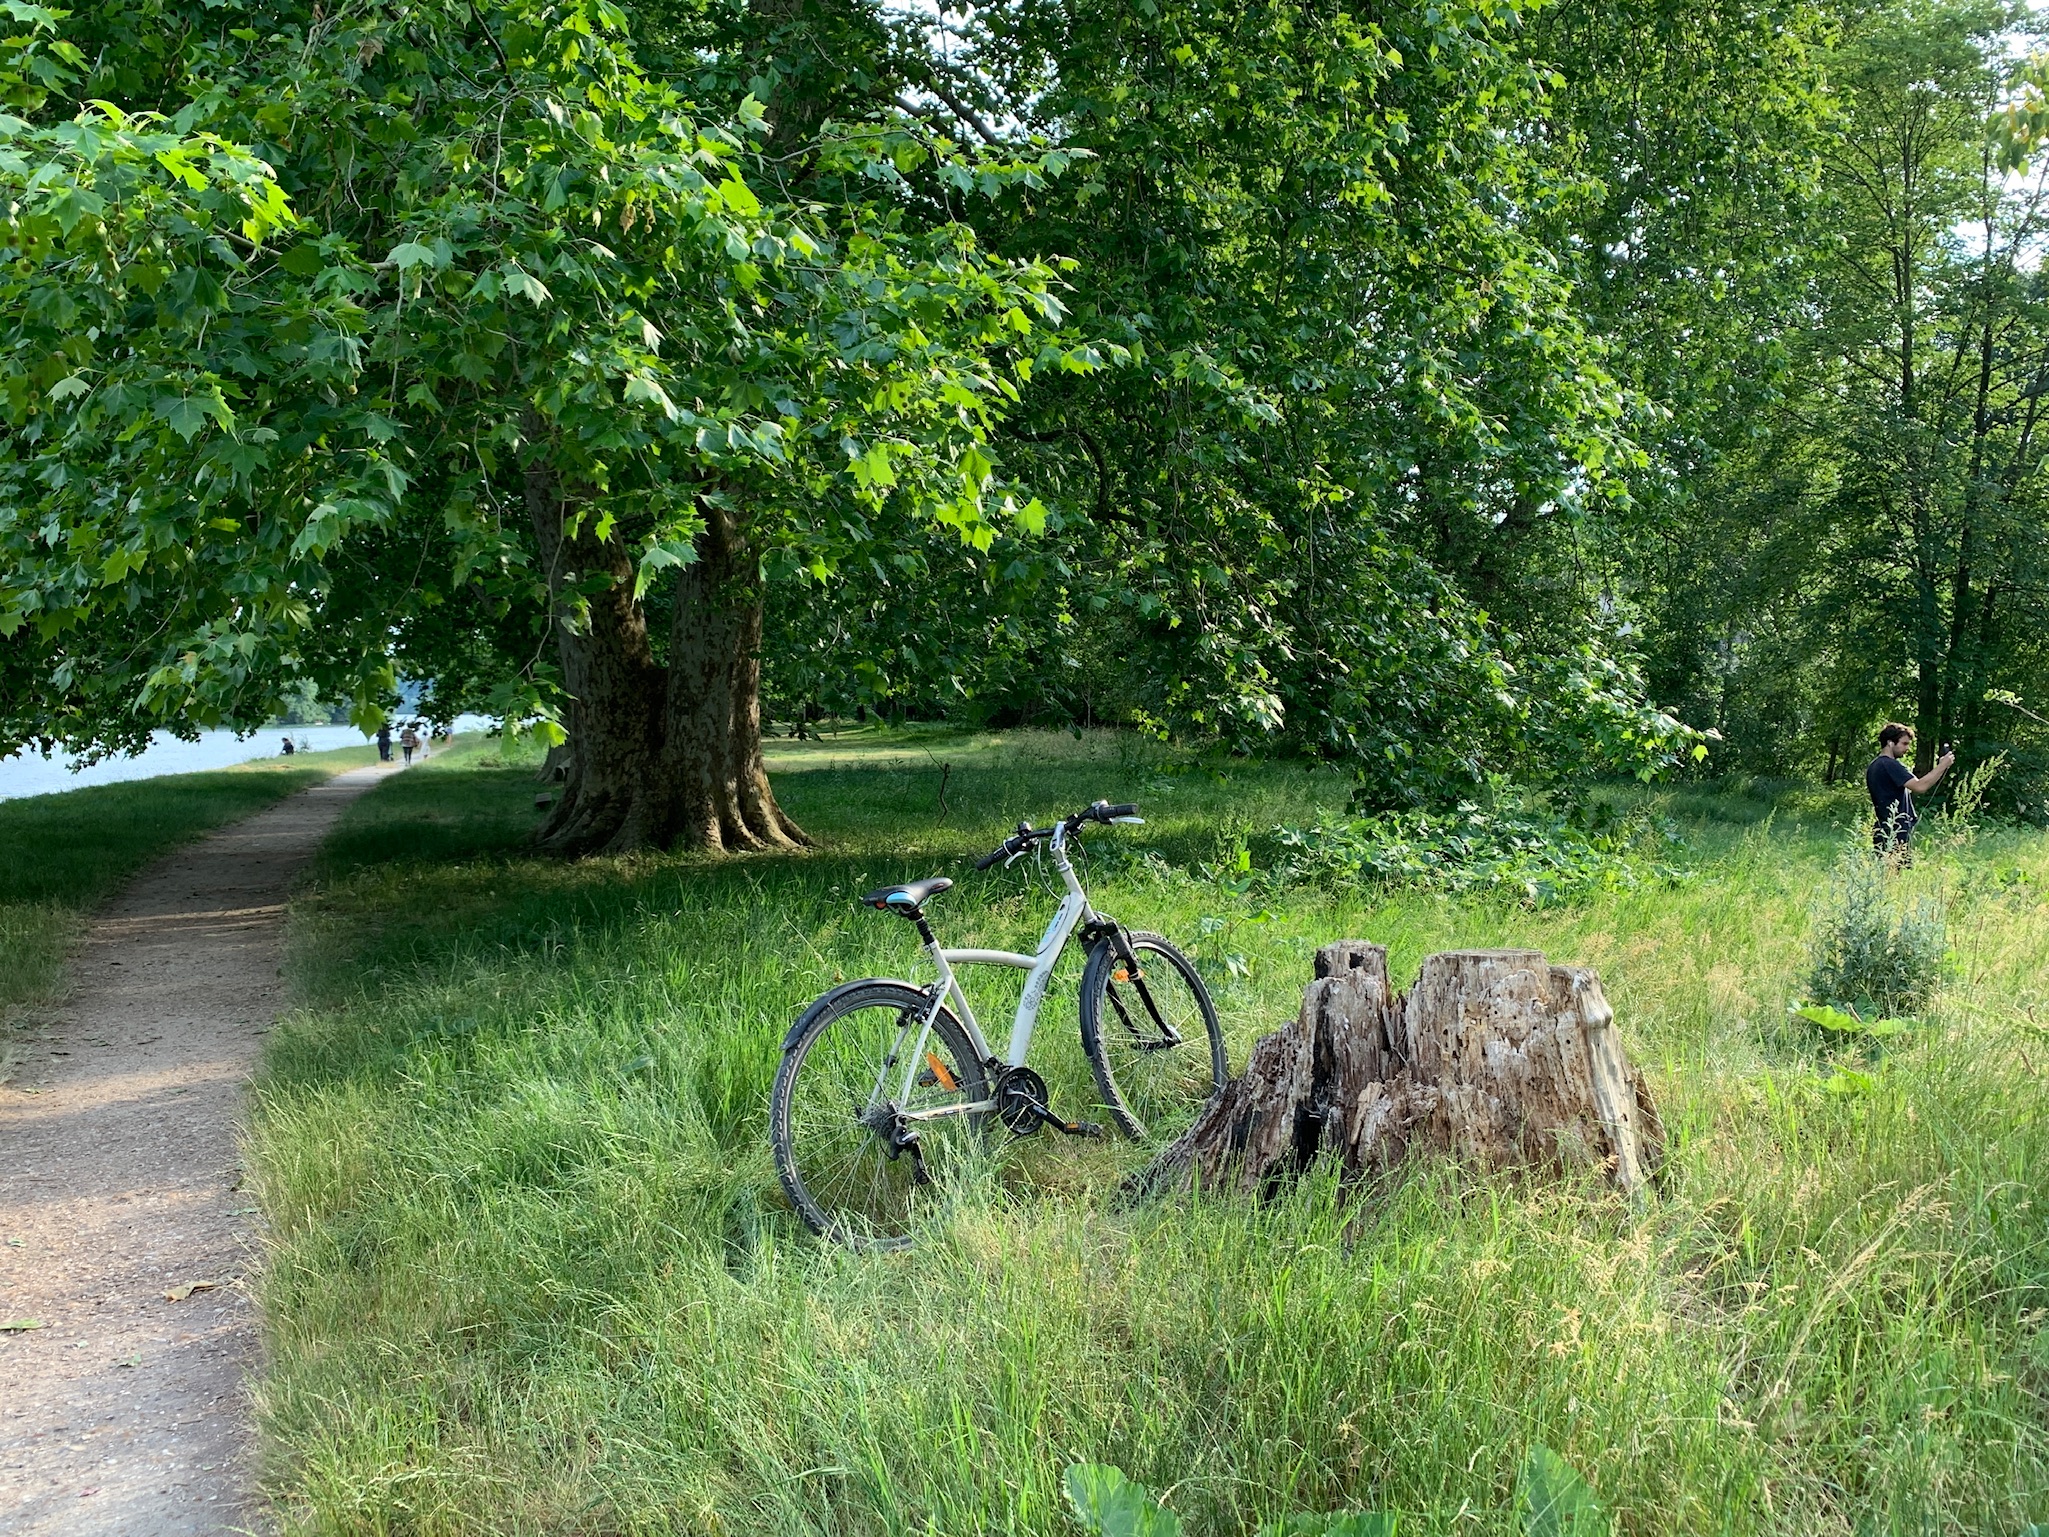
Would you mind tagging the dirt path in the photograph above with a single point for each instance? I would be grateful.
(126, 1412)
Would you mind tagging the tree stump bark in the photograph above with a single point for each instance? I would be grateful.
(1495, 1058)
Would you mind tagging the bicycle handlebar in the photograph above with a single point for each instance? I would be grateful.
(1026, 835)
(1016, 843)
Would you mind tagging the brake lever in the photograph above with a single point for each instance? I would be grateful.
(1130, 821)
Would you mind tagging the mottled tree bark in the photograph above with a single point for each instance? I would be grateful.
(620, 794)
(714, 699)
(659, 756)
(1494, 1057)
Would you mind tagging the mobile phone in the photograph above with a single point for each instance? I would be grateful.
(1945, 749)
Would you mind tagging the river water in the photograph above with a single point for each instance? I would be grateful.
(30, 773)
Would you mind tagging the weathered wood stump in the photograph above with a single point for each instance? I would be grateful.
(1495, 1057)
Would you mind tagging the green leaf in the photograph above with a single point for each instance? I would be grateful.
(873, 470)
(739, 197)
(1843, 1023)
(975, 468)
(187, 417)
(659, 557)
(410, 254)
(305, 260)
(1556, 1501)
(521, 282)
(1107, 1504)
(642, 389)
(1339, 1523)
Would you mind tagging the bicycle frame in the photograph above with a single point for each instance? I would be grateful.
(1074, 910)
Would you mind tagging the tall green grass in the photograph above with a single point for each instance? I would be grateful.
(62, 855)
(531, 1271)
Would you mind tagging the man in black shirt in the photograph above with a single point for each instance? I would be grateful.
(1893, 788)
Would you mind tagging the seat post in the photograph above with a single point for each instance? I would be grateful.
(925, 929)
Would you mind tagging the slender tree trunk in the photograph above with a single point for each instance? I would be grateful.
(1961, 683)
(1928, 667)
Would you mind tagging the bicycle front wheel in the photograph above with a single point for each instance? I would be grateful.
(1151, 1034)
(872, 1117)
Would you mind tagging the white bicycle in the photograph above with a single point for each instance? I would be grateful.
(886, 1088)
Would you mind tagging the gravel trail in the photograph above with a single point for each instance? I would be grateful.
(125, 1412)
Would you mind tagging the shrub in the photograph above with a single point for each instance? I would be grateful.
(1874, 951)
(1531, 854)
(1552, 1499)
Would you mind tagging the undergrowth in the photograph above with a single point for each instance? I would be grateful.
(1529, 854)
(530, 1271)
(1878, 949)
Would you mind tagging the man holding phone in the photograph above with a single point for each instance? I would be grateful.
(1893, 787)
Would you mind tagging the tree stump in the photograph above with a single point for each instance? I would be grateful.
(1495, 1058)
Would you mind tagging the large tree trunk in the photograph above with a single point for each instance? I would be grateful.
(714, 704)
(658, 756)
(621, 792)
(1494, 1057)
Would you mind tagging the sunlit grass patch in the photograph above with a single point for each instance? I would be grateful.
(533, 1273)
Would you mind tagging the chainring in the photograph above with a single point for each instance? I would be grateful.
(1019, 1094)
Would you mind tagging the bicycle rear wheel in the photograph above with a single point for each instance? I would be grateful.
(869, 1117)
(1151, 1034)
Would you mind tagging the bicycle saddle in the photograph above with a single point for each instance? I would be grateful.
(909, 898)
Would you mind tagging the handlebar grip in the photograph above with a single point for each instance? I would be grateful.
(1126, 810)
(990, 858)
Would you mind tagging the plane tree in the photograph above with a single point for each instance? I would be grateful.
(316, 319)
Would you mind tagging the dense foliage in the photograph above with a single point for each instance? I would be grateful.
(1437, 389)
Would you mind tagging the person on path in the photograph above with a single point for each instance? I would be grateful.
(384, 741)
(410, 743)
(1893, 787)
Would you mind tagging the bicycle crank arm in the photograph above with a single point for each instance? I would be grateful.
(1072, 1128)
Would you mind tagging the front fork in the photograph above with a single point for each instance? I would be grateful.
(1167, 1036)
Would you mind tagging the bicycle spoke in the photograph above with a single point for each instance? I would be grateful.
(1152, 1042)
(847, 1147)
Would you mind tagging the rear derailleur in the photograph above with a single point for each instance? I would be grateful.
(898, 1137)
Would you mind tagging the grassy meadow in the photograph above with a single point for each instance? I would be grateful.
(532, 1273)
(62, 855)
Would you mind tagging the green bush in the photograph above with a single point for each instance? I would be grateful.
(1552, 1499)
(1531, 854)
(1874, 950)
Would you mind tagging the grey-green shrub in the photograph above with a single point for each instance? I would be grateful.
(1873, 948)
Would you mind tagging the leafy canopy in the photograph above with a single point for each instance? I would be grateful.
(361, 273)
